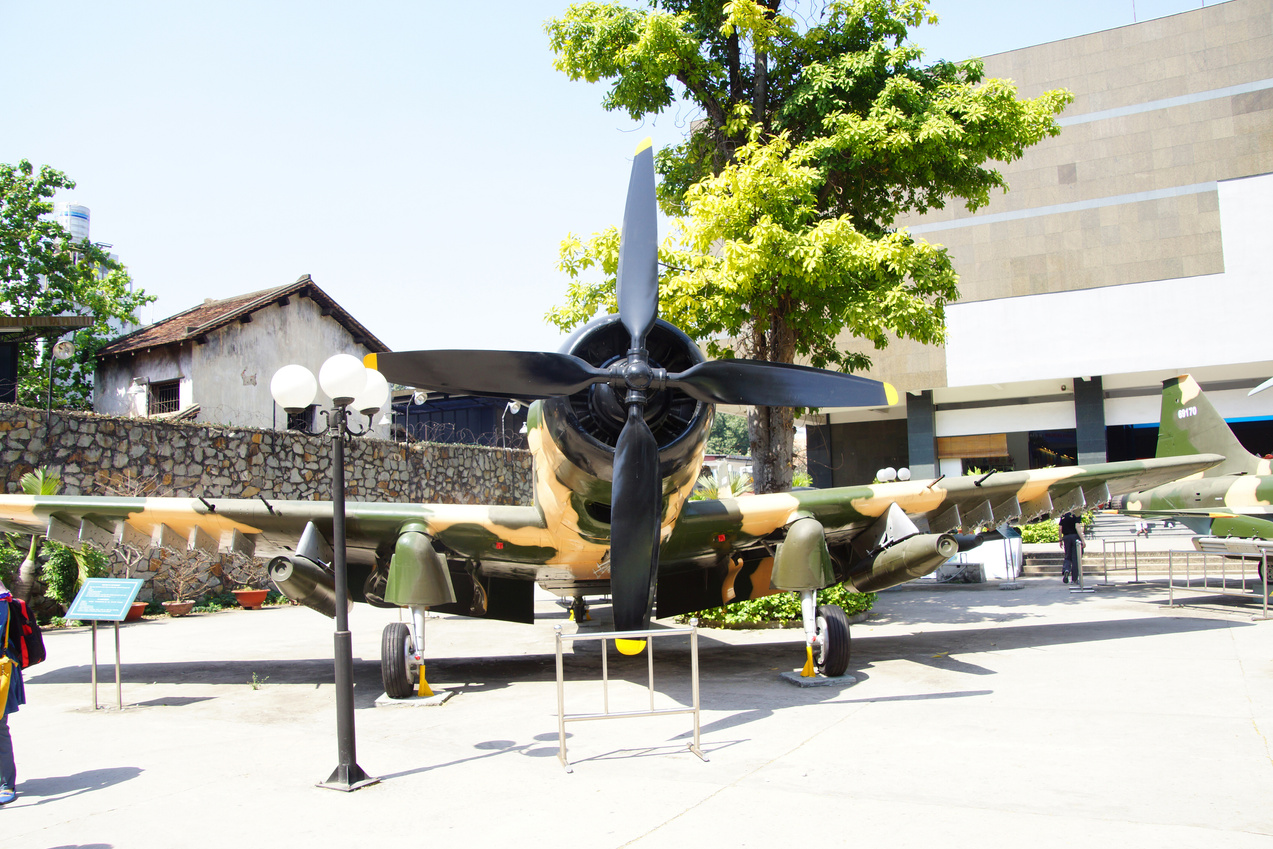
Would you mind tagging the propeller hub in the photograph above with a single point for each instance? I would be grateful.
(637, 373)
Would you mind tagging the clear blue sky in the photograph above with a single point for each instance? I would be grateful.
(421, 160)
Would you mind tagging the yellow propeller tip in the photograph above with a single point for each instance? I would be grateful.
(646, 142)
(369, 361)
(629, 646)
(890, 391)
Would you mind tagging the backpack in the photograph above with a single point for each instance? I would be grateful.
(26, 637)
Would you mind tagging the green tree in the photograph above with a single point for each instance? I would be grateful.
(816, 130)
(44, 272)
(728, 435)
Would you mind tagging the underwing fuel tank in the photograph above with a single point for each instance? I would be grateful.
(305, 582)
(910, 558)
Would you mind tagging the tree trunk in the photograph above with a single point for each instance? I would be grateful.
(772, 435)
(25, 583)
(772, 429)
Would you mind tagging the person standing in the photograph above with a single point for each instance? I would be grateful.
(17, 696)
(1072, 543)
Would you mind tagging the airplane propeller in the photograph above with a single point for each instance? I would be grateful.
(636, 488)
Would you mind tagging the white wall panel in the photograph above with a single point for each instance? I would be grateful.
(1131, 328)
(1009, 419)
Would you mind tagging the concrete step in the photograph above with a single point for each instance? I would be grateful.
(1044, 563)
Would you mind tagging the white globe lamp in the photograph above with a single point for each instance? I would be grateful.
(293, 388)
(342, 377)
(374, 394)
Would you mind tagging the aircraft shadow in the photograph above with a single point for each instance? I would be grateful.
(742, 677)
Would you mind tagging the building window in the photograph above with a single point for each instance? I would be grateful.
(164, 397)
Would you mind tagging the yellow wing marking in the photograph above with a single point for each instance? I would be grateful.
(911, 496)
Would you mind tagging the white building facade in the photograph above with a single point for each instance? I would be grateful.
(1129, 249)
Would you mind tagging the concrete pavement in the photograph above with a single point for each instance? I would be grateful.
(1034, 717)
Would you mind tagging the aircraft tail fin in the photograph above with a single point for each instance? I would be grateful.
(1190, 425)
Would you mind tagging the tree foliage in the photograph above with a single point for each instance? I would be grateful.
(817, 127)
(728, 435)
(44, 272)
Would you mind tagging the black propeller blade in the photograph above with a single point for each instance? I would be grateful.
(634, 524)
(763, 384)
(529, 375)
(637, 283)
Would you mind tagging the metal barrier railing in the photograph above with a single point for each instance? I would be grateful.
(1116, 555)
(1230, 569)
(563, 717)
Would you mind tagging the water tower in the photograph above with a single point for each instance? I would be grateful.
(74, 218)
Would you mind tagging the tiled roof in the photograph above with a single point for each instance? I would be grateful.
(197, 322)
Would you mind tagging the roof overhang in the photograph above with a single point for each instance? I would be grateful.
(26, 328)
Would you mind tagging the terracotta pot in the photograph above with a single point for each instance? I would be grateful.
(250, 599)
(135, 612)
(178, 608)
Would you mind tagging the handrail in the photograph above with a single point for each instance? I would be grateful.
(563, 717)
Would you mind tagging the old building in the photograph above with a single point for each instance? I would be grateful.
(219, 356)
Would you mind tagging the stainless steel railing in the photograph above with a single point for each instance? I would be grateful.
(1219, 575)
(604, 637)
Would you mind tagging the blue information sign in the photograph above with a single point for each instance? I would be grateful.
(104, 599)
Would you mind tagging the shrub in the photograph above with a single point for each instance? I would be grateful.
(782, 607)
(10, 560)
(1045, 531)
(61, 574)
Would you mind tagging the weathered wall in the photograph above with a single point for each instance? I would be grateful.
(90, 451)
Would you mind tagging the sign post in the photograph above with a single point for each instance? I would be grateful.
(105, 600)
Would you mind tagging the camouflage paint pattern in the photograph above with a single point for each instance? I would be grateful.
(1241, 486)
(556, 538)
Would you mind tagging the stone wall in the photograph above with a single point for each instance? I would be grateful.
(97, 454)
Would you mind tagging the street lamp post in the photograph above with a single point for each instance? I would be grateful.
(62, 350)
(349, 384)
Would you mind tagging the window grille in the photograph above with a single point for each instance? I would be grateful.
(164, 397)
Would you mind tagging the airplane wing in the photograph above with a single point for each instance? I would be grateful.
(874, 536)
(258, 526)
(264, 527)
(944, 505)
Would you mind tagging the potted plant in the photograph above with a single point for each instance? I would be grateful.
(182, 581)
(127, 556)
(244, 574)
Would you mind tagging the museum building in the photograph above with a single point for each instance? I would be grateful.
(1130, 248)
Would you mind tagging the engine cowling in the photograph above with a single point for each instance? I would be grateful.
(586, 425)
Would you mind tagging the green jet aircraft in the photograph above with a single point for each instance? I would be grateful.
(617, 430)
(1228, 505)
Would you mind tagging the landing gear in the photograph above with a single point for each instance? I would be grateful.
(579, 610)
(831, 655)
(402, 656)
(826, 633)
(399, 670)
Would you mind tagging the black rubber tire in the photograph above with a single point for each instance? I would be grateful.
(393, 661)
(832, 660)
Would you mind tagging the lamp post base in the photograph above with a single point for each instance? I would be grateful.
(348, 778)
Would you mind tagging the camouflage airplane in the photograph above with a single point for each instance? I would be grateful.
(617, 430)
(1229, 505)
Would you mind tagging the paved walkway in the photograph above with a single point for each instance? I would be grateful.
(1034, 718)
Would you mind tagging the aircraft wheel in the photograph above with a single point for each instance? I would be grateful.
(832, 658)
(395, 671)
